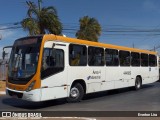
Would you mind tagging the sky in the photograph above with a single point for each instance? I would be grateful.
(124, 22)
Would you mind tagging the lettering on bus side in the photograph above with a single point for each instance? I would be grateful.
(127, 72)
(96, 72)
(96, 75)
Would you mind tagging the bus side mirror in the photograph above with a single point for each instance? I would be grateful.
(3, 54)
(53, 45)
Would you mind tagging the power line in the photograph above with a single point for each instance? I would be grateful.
(8, 24)
(7, 28)
(110, 30)
(73, 28)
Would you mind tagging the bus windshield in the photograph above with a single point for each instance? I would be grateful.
(24, 58)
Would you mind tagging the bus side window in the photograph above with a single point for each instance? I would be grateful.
(77, 55)
(124, 57)
(111, 57)
(52, 58)
(135, 59)
(45, 61)
(75, 59)
(95, 56)
(53, 62)
(144, 60)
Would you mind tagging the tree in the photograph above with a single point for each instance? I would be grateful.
(90, 29)
(41, 20)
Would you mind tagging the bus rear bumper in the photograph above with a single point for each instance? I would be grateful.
(33, 95)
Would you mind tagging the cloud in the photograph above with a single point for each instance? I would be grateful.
(7, 34)
(8, 38)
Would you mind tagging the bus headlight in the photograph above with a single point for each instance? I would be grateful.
(30, 87)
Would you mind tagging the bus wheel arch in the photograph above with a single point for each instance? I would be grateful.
(138, 82)
(77, 91)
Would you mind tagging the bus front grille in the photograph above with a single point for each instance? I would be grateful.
(11, 93)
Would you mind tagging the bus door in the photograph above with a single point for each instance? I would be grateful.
(53, 73)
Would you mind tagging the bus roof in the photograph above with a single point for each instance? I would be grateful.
(96, 44)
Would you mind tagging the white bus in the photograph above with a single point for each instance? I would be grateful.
(50, 67)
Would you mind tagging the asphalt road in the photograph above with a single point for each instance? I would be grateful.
(146, 99)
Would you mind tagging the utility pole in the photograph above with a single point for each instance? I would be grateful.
(133, 45)
(0, 37)
(155, 48)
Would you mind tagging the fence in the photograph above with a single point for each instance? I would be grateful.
(3, 71)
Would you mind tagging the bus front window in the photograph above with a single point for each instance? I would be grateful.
(23, 60)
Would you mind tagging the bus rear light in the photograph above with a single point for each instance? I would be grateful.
(30, 87)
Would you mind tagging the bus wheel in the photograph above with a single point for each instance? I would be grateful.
(76, 93)
(138, 83)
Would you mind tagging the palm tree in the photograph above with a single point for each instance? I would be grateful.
(41, 20)
(90, 29)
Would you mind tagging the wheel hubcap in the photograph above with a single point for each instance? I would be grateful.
(74, 92)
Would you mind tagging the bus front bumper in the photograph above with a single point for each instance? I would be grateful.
(33, 95)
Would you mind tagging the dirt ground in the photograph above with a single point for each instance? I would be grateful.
(2, 86)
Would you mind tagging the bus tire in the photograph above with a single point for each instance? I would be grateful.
(76, 93)
(138, 83)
